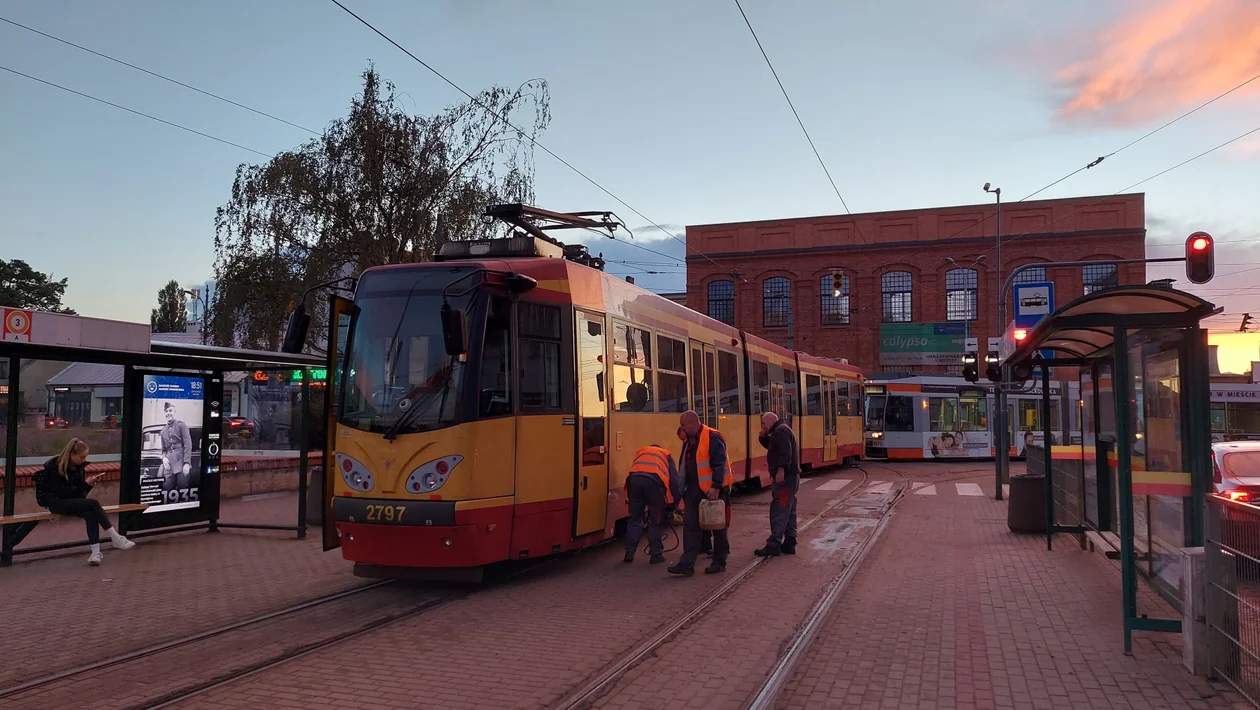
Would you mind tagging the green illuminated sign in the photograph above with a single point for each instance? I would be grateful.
(318, 374)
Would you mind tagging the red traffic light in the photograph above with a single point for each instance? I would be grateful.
(1200, 261)
(1019, 334)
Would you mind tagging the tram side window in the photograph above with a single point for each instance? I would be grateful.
(1030, 414)
(632, 369)
(728, 383)
(843, 403)
(855, 399)
(973, 414)
(1218, 417)
(813, 396)
(790, 379)
(760, 387)
(496, 361)
(539, 328)
(671, 374)
(899, 413)
(943, 414)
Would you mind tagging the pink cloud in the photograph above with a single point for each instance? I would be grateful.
(1162, 57)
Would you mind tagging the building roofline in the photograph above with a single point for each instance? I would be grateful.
(915, 211)
(985, 240)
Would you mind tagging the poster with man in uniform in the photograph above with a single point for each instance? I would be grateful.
(170, 475)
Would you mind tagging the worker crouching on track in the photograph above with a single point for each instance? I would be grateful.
(652, 486)
(783, 461)
(706, 475)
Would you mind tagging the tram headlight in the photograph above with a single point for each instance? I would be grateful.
(433, 475)
(355, 474)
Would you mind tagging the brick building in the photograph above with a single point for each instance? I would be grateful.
(895, 276)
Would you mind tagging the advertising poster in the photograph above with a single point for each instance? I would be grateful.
(170, 456)
(922, 343)
(956, 444)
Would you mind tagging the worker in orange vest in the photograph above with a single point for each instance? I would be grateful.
(705, 475)
(652, 486)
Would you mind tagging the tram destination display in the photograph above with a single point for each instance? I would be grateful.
(170, 457)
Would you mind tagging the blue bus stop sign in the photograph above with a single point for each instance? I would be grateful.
(1034, 301)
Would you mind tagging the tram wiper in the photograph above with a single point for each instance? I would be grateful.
(414, 408)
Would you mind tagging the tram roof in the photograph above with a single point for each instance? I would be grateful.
(1085, 327)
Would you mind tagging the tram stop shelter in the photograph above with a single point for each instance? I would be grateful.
(1143, 467)
(154, 497)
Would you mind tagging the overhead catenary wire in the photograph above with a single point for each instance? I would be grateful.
(1090, 203)
(1141, 138)
(520, 132)
(794, 111)
(151, 117)
(163, 77)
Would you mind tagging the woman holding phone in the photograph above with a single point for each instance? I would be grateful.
(62, 487)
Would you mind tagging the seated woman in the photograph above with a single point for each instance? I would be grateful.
(62, 488)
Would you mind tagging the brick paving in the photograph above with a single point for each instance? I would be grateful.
(524, 645)
(952, 610)
(60, 613)
(949, 610)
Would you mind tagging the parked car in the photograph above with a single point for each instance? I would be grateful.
(1236, 470)
(1236, 476)
(240, 427)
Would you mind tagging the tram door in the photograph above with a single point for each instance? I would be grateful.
(591, 504)
(704, 383)
(339, 331)
(829, 420)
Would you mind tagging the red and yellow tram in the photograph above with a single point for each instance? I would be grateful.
(487, 406)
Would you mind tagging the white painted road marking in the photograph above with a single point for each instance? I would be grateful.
(880, 487)
(926, 490)
(969, 489)
(835, 484)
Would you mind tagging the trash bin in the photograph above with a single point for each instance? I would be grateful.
(1026, 511)
(315, 497)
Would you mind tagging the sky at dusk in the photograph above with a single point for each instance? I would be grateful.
(669, 105)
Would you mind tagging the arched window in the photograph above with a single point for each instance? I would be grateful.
(835, 309)
(897, 298)
(722, 301)
(1099, 276)
(776, 301)
(960, 294)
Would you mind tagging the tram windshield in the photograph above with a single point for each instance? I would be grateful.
(875, 412)
(400, 378)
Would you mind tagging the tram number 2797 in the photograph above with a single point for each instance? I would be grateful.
(180, 495)
(385, 513)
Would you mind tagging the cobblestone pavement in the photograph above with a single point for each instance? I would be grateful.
(949, 610)
(952, 610)
(523, 645)
(60, 613)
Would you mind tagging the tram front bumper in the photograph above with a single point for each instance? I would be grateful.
(397, 533)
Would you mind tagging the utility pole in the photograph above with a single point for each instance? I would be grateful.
(1001, 444)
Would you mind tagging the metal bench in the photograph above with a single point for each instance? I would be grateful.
(24, 523)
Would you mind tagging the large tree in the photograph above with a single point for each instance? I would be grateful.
(368, 192)
(23, 287)
(171, 315)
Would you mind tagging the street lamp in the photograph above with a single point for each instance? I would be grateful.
(999, 396)
(196, 296)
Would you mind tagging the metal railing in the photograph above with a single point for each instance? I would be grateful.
(1232, 542)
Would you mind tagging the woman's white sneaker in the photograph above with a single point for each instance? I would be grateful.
(94, 559)
(119, 542)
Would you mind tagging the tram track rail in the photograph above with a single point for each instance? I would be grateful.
(305, 629)
(772, 687)
(172, 644)
(606, 679)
